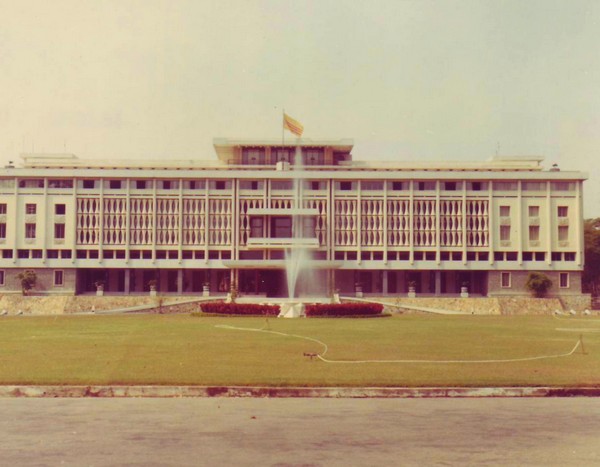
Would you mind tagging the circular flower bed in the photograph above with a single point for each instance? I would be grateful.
(344, 309)
(239, 309)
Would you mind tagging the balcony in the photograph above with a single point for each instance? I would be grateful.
(266, 243)
(283, 212)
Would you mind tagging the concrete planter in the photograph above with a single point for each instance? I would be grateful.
(206, 290)
(412, 292)
(464, 292)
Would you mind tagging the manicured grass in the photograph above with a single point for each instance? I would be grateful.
(180, 349)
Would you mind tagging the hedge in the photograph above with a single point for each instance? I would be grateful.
(344, 309)
(245, 309)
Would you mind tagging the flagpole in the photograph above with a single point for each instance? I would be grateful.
(282, 127)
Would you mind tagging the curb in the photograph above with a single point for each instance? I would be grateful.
(289, 392)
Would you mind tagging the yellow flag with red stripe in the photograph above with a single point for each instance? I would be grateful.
(292, 125)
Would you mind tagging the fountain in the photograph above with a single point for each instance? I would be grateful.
(297, 258)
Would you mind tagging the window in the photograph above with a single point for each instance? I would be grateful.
(534, 233)
(1, 277)
(2, 208)
(114, 184)
(58, 278)
(283, 155)
(505, 186)
(397, 186)
(505, 280)
(88, 184)
(563, 233)
(256, 227)
(250, 185)
(450, 186)
(220, 185)
(253, 156)
(281, 184)
(315, 185)
(570, 256)
(425, 186)
(281, 227)
(31, 183)
(52, 254)
(563, 211)
(23, 254)
(534, 211)
(60, 209)
(313, 156)
(563, 280)
(504, 211)
(562, 186)
(371, 185)
(533, 186)
(308, 227)
(476, 186)
(345, 186)
(170, 185)
(540, 256)
(196, 184)
(60, 183)
(140, 184)
(3, 230)
(505, 233)
(30, 208)
(29, 230)
(59, 231)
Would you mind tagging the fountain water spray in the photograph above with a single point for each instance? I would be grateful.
(297, 258)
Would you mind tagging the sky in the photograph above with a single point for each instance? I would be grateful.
(407, 80)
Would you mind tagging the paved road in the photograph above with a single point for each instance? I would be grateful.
(280, 432)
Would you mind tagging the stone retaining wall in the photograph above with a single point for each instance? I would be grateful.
(50, 305)
(492, 305)
(14, 304)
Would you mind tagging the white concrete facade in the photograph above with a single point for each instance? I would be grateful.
(374, 226)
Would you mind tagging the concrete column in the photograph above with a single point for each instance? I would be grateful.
(127, 281)
(180, 281)
(384, 283)
(438, 282)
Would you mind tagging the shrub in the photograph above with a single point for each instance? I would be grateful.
(344, 309)
(538, 283)
(239, 309)
(28, 279)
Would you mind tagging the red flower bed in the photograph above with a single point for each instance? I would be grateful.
(244, 309)
(344, 309)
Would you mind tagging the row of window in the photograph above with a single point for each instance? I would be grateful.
(58, 277)
(31, 208)
(367, 185)
(506, 280)
(534, 211)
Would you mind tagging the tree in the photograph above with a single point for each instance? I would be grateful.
(28, 279)
(591, 270)
(538, 283)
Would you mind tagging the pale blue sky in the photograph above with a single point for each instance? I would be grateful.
(406, 79)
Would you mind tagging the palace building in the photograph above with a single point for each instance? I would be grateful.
(375, 227)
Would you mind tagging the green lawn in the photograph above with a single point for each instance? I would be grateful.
(181, 349)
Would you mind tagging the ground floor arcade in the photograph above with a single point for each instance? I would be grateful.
(274, 282)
